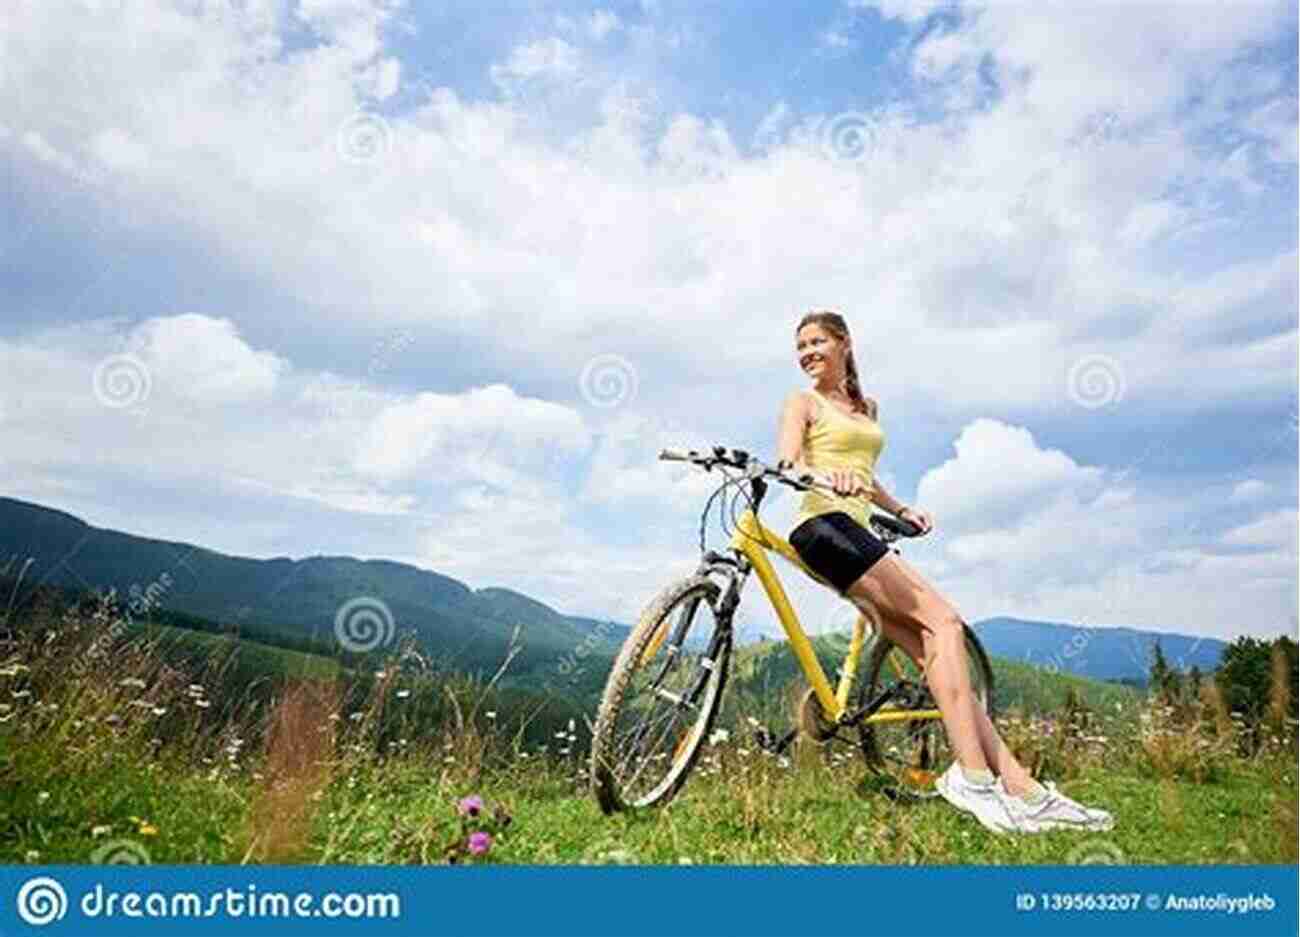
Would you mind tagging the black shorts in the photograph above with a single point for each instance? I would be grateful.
(837, 548)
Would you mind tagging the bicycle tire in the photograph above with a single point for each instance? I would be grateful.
(869, 740)
(605, 785)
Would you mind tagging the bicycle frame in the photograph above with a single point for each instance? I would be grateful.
(752, 539)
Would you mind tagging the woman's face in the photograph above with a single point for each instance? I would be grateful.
(818, 351)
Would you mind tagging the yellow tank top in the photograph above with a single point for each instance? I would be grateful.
(836, 440)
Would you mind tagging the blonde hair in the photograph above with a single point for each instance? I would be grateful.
(834, 323)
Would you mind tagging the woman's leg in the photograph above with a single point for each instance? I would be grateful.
(996, 753)
(903, 597)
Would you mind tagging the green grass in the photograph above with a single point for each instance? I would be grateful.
(312, 777)
(737, 809)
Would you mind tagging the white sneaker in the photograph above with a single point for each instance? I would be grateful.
(988, 802)
(1056, 811)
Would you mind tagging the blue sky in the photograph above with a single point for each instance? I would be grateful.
(299, 277)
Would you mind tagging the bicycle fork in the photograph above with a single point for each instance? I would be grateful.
(722, 632)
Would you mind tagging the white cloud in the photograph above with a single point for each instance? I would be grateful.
(1026, 531)
(1277, 529)
(1249, 490)
(205, 359)
(602, 22)
(999, 471)
(486, 427)
(552, 59)
(906, 10)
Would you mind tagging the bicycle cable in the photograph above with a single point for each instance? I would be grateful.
(741, 492)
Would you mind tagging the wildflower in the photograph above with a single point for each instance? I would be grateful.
(479, 843)
(159, 710)
(42, 797)
(403, 694)
(134, 682)
(148, 829)
(33, 855)
(470, 806)
(202, 703)
(102, 830)
(719, 735)
(571, 725)
(195, 688)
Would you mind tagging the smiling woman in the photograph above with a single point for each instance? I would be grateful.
(832, 430)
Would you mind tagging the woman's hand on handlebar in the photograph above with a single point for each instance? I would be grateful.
(847, 481)
(921, 519)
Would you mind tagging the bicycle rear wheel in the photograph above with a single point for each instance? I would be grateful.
(912, 752)
(661, 698)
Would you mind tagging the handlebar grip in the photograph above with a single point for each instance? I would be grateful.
(674, 453)
(896, 525)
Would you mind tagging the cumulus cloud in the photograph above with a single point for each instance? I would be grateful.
(205, 359)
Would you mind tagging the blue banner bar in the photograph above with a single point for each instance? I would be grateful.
(486, 900)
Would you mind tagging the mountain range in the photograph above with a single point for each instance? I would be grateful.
(318, 601)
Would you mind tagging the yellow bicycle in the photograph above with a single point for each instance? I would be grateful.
(665, 687)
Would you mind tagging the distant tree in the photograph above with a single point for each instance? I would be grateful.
(1165, 681)
(1246, 679)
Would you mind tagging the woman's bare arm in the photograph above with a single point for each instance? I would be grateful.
(883, 498)
(789, 435)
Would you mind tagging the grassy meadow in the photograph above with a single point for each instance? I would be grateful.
(127, 751)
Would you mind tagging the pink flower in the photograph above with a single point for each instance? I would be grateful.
(470, 806)
(479, 843)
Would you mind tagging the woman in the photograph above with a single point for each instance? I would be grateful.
(832, 431)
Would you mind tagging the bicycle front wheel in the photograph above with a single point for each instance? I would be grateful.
(661, 698)
(909, 742)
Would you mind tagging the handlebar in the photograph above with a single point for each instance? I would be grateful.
(756, 468)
